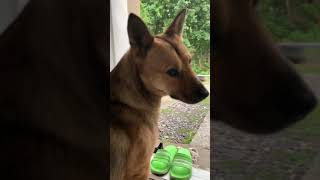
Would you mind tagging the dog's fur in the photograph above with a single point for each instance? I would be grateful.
(53, 98)
(254, 87)
(137, 84)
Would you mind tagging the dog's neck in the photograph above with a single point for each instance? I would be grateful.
(128, 89)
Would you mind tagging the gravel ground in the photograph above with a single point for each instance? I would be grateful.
(241, 156)
(179, 121)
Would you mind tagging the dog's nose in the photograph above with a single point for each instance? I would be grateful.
(300, 106)
(308, 103)
(202, 93)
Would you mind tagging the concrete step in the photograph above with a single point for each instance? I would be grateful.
(201, 142)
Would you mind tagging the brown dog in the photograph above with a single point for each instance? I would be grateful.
(152, 68)
(255, 87)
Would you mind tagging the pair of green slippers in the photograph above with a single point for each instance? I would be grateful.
(178, 162)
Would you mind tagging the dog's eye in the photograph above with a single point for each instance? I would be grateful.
(173, 72)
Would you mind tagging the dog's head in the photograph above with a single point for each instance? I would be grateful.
(255, 87)
(163, 62)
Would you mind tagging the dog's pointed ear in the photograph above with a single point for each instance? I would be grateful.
(176, 26)
(139, 35)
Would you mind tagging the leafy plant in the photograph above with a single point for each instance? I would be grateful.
(292, 20)
(159, 14)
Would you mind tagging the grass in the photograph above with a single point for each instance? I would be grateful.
(206, 101)
(232, 166)
(267, 174)
(308, 68)
(207, 84)
(279, 165)
(166, 111)
(189, 133)
(307, 130)
(201, 71)
(282, 163)
(293, 159)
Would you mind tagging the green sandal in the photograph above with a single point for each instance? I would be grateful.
(182, 165)
(161, 161)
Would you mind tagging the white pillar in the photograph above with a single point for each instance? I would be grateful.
(119, 42)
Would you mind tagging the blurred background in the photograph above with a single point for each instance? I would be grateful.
(292, 154)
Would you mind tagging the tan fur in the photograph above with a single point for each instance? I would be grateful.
(137, 84)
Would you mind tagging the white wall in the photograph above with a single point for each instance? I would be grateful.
(119, 42)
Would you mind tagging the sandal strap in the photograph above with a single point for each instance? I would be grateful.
(183, 156)
(162, 155)
(163, 152)
(182, 164)
(182, 160)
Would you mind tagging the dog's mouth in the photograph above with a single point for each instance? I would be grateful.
(194, 97)
(174, 97)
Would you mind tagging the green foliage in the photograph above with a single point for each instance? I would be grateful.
(159, 14)
(201, 68)
(292, 20)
